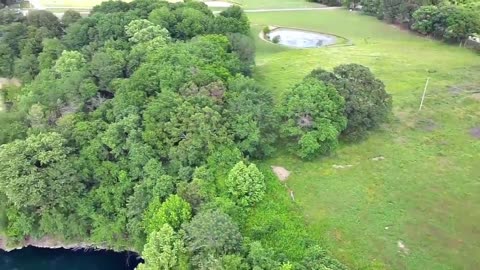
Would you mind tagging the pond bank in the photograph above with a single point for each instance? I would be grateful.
(52, 243)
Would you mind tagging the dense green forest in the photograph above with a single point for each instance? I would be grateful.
(138, 128)
(134, 128)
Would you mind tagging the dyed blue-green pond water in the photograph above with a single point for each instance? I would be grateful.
(61, 259)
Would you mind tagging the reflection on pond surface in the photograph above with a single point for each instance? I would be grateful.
(31, 258)
(300, 38)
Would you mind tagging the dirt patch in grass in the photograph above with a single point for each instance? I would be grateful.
(476, 96)
(475, 132)
(464, 88)
(281, 173)
(402, 247)
(426, 125)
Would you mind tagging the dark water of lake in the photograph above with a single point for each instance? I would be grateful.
(62, 259)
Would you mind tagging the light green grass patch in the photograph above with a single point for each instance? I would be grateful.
(425, 192)
(268, 4)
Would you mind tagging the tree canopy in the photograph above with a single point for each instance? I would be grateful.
(312, 113)
(132, 129)
(367, 104)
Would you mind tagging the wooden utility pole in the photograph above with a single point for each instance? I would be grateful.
(424, 92)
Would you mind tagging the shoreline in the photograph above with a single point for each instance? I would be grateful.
(51, 243)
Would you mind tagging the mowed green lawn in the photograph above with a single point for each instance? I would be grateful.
(266, 4)
(425, 193)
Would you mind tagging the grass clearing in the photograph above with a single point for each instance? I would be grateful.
(266, 4)
(424, 194)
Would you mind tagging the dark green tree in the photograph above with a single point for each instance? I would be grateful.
(70, 17)
(43, 18)
(313, 117)
(212, 232)
(106, 66)
(367, 104)
(36, 172)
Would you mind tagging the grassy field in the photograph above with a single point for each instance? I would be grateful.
(425, 193)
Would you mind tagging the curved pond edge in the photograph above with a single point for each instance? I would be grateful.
(52, 243)
(344, 41)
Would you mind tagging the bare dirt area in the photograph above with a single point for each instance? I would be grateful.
(475, 132)
(476, 96)
(281, 173)
(464, 88)
(426, 125)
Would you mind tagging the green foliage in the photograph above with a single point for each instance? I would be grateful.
(36, 172)
(231, 20)
(46, 19)
(127, 124)
(454, 23)
(19, 224)
(111, 6)
(52, 50)
(261, 258)
(276, 39)
(6, 60)
(334, 3)
(318, 259)
(372, 7)
(212, 232)
(70, 17)
(12, 127)
(252, 116)
(141, 31)
(245, 184)
(367, 104)
(449, 20)
(8, 16)
(69, 61)
(174, 211)
(164, 249)
(106, 66)
(312, 115)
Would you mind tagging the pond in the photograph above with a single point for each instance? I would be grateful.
(300, 38)
(31, 258)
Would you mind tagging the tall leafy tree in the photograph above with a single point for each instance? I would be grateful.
(165, 249)
(312, 115)
(212, 232)
(367, 104)
(174, 211)
(36, 172)
(70, 17)
(246, 184)
(251, 116)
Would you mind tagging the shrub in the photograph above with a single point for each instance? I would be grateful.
(313, 118)
(245, 184)
(367, 104)
(266, 30)
(174, 211)
(276, 39)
